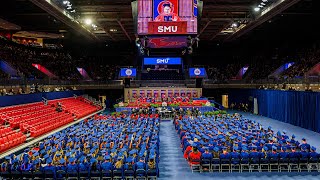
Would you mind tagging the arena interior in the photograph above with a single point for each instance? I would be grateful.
(160, 89)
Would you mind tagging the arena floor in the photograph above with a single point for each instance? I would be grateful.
(173, 166)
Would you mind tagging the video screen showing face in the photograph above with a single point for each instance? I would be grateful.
(180, 16)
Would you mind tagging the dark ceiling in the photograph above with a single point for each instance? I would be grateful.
(110, 15)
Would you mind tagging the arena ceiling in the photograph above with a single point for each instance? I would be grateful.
(114, 22)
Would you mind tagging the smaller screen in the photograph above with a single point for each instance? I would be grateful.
(197, 72)
(162, 60)
(128, 72)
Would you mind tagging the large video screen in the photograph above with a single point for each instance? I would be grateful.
(197, 72)
(128, 72)
(167, 17)
(162, 61)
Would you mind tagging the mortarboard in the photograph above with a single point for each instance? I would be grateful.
(265, 148)
(49, 160)
(313, 148)
(303, 139)
(46, 156)
(293, 136)
(62, 161)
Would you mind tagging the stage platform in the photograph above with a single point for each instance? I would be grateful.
(201, 108)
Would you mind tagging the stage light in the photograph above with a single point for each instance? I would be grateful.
(65, 2)
(235, 24)
(256, 9)
(88, 21)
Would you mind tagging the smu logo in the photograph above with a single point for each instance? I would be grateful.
(167, 29)
(163, 61)
(197, 71)
(128, 72)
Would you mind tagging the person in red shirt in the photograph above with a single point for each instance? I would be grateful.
(194, 156)
(188, 150)
(167, 14)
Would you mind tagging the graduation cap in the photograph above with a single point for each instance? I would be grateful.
(265, 148)
(49, 160)
(216, 149)
(93, 160)
(274, 148)
(303, 139)
(46, 156)
(36, 154)
(293, 136)
(7, 157)
(62, 161)
(313, 148)
(71, 159)
(107, 157)
(26, 150)
(284, 148)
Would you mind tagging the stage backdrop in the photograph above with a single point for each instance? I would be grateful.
(295, 107)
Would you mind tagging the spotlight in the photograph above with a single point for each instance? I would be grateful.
(88, 21)
(235, 24)
(256, 9)
(66, 2)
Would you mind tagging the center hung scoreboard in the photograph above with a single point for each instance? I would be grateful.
(167, 17)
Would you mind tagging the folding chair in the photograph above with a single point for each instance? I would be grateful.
(205, 165)
(48, 175)
(264, 164)
(303, 164)
(38, 175)
(73, 175)
(215, 165)
(225, 163)
(83, 174)
(141, 174)
(26, 174)
(244, 164)
(117, 174)
(254, 164)
(313, 164)
(293, 164)
(283, 164)
(235, 164)
(61, 174)
(273, 164)
(152, 174)
(195, 165)
(129, 174)
(5, 175)
(95, 174)
(106, 174)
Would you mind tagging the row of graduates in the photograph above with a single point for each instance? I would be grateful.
(93, 144)
(194, 154)
(228, 134)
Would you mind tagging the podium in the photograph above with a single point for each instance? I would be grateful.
(166, 115)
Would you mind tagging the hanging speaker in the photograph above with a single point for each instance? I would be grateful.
(199, 83)
(127, 82)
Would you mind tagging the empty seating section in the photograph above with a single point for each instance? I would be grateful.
(10, 138)
(80, 107)
(38, 119)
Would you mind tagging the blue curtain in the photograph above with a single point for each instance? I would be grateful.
(295, 107)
